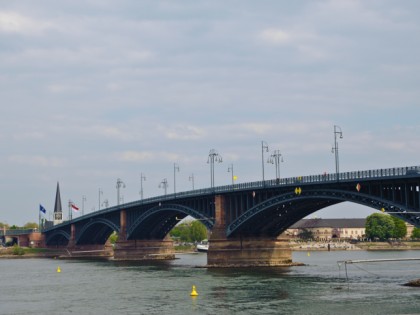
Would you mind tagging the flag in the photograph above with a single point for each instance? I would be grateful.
(74, 207)
(42, 209)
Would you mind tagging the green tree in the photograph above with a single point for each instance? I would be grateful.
(416, 233)
(198, 231)
(113, 238)
(2, 225)
(31, 225)
(380, 226)
(400, 228)
(306, 234)
(181, 231)
(189, 232)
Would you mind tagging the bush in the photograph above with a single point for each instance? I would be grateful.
(17, 250)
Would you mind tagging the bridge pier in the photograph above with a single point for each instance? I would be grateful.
(144, 249)
(244, 251)
(141, 249)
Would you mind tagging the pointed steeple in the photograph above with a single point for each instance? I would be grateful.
(58, 211)
(57, 206)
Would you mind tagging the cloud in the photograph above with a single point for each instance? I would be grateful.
(38, 161)
(12, 22)
(276, 36)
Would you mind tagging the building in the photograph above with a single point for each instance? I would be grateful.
(327, 229)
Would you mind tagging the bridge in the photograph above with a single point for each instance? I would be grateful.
(246, 220)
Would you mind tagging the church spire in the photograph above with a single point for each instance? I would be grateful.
(58, 211)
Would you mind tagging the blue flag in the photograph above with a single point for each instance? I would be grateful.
(42, 209)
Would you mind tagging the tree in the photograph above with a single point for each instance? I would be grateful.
(415, 233)
(2, 225)
(189, 232)
(400, 228)
(379, 226)
(31, 225)
(198, 231)
(306, 234)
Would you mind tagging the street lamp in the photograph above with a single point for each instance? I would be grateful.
(264, 145)
(230, 170)
(213, 157)
(191, 179)
(276, 158)
(164, 184)
(120, 184)
(176, 168)
(337, 131)
(142, 178)
(99, 198)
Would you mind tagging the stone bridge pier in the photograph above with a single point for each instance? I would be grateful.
(141, 249)
(241, 251)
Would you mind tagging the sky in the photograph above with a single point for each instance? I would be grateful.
(97, 90)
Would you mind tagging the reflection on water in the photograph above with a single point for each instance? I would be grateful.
(320, 287)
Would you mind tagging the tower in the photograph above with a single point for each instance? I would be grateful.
(58, 211)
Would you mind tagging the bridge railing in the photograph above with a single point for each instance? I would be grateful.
(17, 232)
(378, 173)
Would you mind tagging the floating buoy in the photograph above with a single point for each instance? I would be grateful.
(193, 291)
(58, 269)
(309, 254)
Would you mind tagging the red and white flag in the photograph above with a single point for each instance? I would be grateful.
(73, 206)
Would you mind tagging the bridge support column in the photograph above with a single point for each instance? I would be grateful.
(144, 249)
(244, 251)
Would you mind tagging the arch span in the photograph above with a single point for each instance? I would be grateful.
(274, 215)
(156, 222)
(58, 238)
(96, 231)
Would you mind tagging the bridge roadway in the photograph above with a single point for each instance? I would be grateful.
(246, 220)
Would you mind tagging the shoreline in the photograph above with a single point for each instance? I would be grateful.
(5, 253)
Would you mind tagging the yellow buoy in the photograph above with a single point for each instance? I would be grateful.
(309, 254)
(193, 291)
(58, 269)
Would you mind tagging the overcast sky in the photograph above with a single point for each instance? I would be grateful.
(96, 90)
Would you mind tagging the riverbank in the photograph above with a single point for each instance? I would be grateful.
(370, 246)
(24, 252)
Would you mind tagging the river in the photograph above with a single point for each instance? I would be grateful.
(30, 286)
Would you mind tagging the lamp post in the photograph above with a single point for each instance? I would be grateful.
(120, 184)
(164, 184)
(337, 131)
(230, 170)
(105, 203)
(264, 146)
(83, 204)
(99, 198)
(142, 178)
(191, 179)
(276, 158)
(176, 168)
(213, 157)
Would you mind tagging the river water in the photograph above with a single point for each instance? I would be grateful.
(30, 286)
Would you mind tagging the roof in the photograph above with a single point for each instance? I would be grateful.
(331, 223)
(57, 205)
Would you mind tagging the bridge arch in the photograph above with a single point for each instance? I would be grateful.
(274, 215)
(157, 222)
(58, 238)
(96, 231)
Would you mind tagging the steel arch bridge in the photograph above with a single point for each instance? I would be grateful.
(254, 209)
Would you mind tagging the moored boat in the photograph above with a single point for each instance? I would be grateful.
(203, 246)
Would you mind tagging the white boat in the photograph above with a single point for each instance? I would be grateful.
(203, 246)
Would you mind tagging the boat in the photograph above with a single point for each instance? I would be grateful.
(203, 246)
